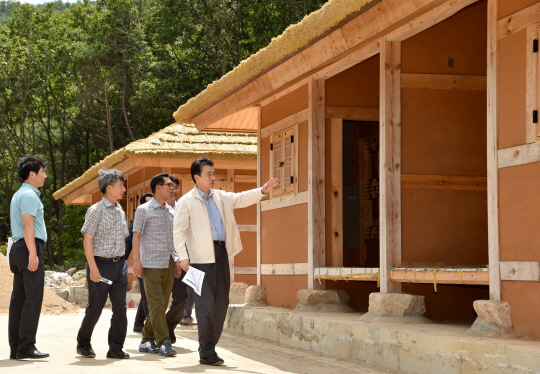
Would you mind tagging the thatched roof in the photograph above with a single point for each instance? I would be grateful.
(174, 141)
(293, 39)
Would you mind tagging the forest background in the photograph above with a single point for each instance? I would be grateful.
(80, 80)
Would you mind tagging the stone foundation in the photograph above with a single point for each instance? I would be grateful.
(255, 295)
(323, 301)
(493, 319)
(237, 293)
(396, 304)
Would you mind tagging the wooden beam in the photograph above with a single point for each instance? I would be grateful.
(390, 163)
(531, 84)
(347, 274)
(245, 179)
(336, 193)
(285, 201)
(138, 186)
(284, 269)
(83, 200)
(440, 276)
(519, 155)
(349, 61)
(443, 81)
(316, 177)
(186, 163)
(443, 182)
(520, 270)
(428, 19)
(517, 21)
(245, 270)
(247, 228)
(230, 188)
(359, 32)
(299, 117)
(492, 169)
(353, 113)
(259, 204)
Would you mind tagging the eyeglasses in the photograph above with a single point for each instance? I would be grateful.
(171, 186)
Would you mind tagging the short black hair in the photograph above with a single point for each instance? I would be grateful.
(158, 180)
(174, 179)
(144, 196)
(197, 165)
(28, 163)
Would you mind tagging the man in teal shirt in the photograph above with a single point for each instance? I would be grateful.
(26, 259)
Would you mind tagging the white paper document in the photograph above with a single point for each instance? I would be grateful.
(194, 279)
(9, 245)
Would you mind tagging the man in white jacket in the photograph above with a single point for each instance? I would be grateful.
(204, 222)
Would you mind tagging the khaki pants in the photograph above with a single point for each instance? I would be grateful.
(158, 284)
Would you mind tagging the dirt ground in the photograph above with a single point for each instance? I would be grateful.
(52, 303)
(242, 354)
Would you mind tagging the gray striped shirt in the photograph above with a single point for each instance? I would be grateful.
(155, 223)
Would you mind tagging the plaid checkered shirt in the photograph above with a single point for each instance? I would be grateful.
(107, 224)
(155, 223)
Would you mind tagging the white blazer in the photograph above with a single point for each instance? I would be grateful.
(192, 224)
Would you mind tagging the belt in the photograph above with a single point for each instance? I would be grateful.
(109, 259)
(36, 239)
(219, 242)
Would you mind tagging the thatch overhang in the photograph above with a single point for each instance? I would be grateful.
(175, 142)
(295, 38)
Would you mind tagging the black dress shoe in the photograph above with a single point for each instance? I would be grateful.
(34, 353)
(86, 351)
(219, 358)
(212, 360)
(117, 353)
(13, 355)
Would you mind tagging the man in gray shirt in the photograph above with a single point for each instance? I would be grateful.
(104, 230)
(155, 259)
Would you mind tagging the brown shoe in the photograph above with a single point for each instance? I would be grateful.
(187, 321)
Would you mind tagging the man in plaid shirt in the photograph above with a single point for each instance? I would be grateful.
(155, 259)
(104, 230)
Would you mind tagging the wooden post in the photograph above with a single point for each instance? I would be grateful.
(316, 160)
(531, 84)
(336, 155)
(230, 188)
(390, 163)
(492, 167)
(258, 113)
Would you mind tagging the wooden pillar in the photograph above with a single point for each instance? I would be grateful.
(316, 165)
(258, 114)
(336, 156)
(230, 188)
(390, 163)
(492, 165)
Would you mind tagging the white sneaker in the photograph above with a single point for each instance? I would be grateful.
(148, 347)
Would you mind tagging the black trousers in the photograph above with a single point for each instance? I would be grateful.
(178, 304)
(97, 297)
(142, 309)
(212, 305)
(26, 298)
(189, 303)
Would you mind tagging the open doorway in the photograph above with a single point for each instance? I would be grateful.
(360, 194)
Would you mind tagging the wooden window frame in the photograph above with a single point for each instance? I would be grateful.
(294, 162)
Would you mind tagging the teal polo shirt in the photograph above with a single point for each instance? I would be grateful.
(26, 201)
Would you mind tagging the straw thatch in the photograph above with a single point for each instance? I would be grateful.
(174, 141)
(293, 39)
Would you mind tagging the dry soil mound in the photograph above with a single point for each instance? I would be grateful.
(52, 303)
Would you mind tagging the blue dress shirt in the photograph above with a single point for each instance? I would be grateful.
(218, 230)
(26, 201)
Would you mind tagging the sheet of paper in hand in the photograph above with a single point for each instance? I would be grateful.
(9, 244)
(194, 279)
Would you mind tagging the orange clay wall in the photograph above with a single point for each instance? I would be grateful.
(444, 133)
(355, 87)
(246, 216)
(518, 185)
(284, 231)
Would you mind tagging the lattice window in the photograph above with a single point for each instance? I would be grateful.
(283, 161)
